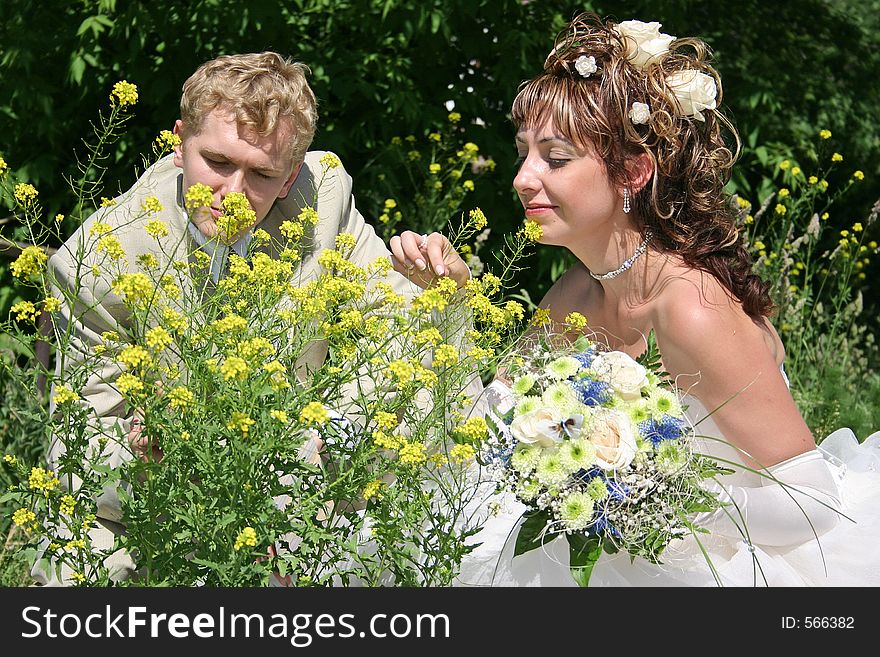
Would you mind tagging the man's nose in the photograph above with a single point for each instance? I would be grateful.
(234, 182)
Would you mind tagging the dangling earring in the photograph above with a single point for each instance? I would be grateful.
(626, 204)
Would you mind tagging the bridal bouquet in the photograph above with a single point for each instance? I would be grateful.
(598, 447)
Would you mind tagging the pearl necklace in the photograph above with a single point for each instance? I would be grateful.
(628, 262)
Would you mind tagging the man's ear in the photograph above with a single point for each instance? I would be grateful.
(178, 150)
(285, 190)
(639, 171)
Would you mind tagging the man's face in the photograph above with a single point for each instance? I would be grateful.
(231, 158)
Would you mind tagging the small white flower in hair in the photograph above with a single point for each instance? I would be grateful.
(640, 113)
(585, 65)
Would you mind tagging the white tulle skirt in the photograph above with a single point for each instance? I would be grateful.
(848, 555)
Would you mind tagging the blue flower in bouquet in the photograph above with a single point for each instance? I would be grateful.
(591, 392)
(667, 428)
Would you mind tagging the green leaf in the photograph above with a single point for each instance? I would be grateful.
(530, 532)
(584, 552)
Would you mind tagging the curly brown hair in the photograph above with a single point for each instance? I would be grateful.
(684, 204)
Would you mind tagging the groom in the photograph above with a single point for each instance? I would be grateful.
(246, 124)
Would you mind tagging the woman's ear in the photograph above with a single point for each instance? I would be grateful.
(639, 171)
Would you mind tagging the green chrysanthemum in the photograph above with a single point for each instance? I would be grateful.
(664, 402)
(560, 397)
(671, 457)
(523, 384)
(525, 458)
(563, 368)
(597, 490)
(528, 405)
(551, 471)
(576, 511)
(577, 454)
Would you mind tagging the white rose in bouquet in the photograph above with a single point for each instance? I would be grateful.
(541, 427)
(611, 433)
(625, 376)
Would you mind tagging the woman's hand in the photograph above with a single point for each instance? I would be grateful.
(425, 258)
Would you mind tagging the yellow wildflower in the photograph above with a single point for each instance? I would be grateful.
(478, 219)
(385, 420)
(785, 164)
(198, 196)
(783, 193)
(795, 171)
(812, 180)
(532, 231)
(99, 228)
(247, 537)
(25, 311)
(234, 368)
(134, 356)
(25, 193)
(454, 117)
(434, 136)
(134, 288)
(24, 517)
(180, 397)
(859, 175)
(241, 422)
(461, 453)
(837, 157)
(781, 209)
(44, 480)
(3, 166)
(67, 505)
(576, 320)
(128, 383)
(308, 215)
(30, 262)
(59, 218)
(468, 185)
(63, 394)
(330, 161)
(412, 453)
(124, 93)
(373, 489)
(167, 140)
(156, 228)
(825, 134)
(474, 429)
(107, 202)
(151, 204)
(345, 242)
(445, 354)
(281, 416)
(110, 245)
(314, 413)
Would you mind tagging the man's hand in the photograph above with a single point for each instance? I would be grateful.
(425, 258)
(145, 448)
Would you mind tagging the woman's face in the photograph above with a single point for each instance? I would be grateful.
(562, 186)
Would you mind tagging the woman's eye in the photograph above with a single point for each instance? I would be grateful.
(556, 163)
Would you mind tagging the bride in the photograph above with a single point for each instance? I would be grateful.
(623, 162)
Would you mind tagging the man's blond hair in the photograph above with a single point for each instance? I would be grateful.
(261, 89)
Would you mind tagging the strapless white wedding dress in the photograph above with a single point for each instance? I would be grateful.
(847, 555)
